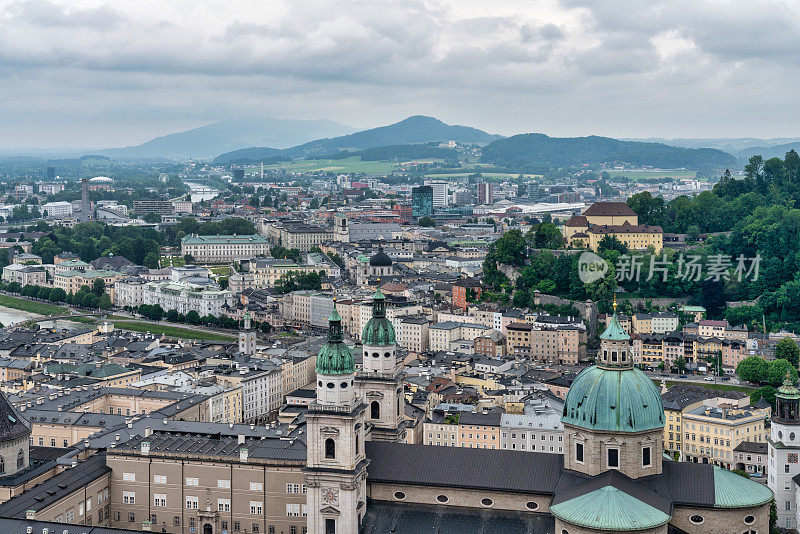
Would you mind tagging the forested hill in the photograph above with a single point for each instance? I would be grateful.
(529, 152)
(413, 130)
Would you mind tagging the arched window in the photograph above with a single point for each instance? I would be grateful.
(21, 459)
(375, 410)
(2, 465)
(330, 448)
(357, 443)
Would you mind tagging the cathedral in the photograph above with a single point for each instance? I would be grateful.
(612, 477)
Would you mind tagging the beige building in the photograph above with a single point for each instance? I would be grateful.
(72, 281)
(413, 333)
(612, 218)
(565, 344)
(223, 248)
(711, 433)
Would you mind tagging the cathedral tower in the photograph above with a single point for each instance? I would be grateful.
(336, 466)
(380, 381)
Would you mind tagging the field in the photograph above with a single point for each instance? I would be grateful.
(172, 331)
(351, 164)
(42, 308)
(640, 175)
(495, 175)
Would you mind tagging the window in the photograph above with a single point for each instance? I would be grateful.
(191, 481)
(487, 502)
(292, 488)
(223, 483)
(256, 507)
(159, 479)
(254, 527)
(697, 519)
(20, 459)
(129, 477)
(159, 499)
(579, 452)
(292, 510)
(191, 503)
(399, 495)
(256, 486)
(153, 519)
(749, 520)
(613, 458)
(375, 410)
(128, 497)
(176, 520)
(442, 498)
(330, 448)
(531, 505)
(330, 526)
(2, 466)
(646, 460)
(237, 526)
(224, 505)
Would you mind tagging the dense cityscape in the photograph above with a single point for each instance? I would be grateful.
(312, 267)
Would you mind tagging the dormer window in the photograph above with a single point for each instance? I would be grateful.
(613, 356)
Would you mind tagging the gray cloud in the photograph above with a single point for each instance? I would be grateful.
(126, 70)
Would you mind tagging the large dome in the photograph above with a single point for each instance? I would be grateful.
(613, 400)
(335, 357)
(378, 331)
(381, 259)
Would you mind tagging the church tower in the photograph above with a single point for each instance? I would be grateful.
(380, 381)
(336, 466)
(613, 417)
(784, 448)
(247, 337)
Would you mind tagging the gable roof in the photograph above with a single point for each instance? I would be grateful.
(599, 209)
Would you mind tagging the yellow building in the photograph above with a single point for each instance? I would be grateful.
(615, 219)
(711, 433)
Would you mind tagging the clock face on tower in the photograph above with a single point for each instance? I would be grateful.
(330, 496)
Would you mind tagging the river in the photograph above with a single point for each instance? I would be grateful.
(9, 316)
(201, 192)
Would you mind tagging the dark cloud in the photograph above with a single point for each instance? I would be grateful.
(116, 71)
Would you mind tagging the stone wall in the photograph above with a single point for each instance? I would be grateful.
(595, 445)
(460, 497)
(721, 520)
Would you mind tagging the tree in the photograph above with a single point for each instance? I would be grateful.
(188, 258)
(98, 286)
(681, 364)
(752, 369)
(547, 235)
(522, 299)
(767, 393)
(152, 218)
(151, 260)
(193, 317)
(104, 302)
(611, 242)
(777, 371)
(223, 282)
(787, 349)
(57, 295)
(426, 221)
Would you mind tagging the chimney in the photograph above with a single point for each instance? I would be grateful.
(241, 439)
(145, 447)
(243, 454)
(147, 431)
(30, 514)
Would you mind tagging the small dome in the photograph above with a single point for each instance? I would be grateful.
(381, 259)
(335, 357)
(613, 400)
(378, 330)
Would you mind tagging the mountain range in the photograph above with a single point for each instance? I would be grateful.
(207, 141)
(413, 130)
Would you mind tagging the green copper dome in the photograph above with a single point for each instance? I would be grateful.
(614, 330)
(378, 330)
(614, 400)
(787, 390)
(609, 508)
(334, 357)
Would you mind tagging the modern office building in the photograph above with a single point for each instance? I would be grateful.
(421, 202)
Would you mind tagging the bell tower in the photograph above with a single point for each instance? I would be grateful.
(784, 448)
(380, 381)
(336, 465)
(247, 337)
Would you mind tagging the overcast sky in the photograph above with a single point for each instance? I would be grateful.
(114, 73)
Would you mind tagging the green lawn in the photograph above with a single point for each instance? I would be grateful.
(221, 271)
(171, 331)
(351, 164)
(42, 308)
(176, 261)
(711, 385)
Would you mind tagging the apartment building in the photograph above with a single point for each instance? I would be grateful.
(532, 432)
(518, 339)
(563, 344)
(72, 281)
(129, 291)
(711, 433)
(25, 275)
(262, 392)
(267, 271)
(228, 485)
(492, 344)
(751, 457)
(443, 335)
(655, 323)
(160, 207)
(479, 430)
(224, 248)
(413, 334)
